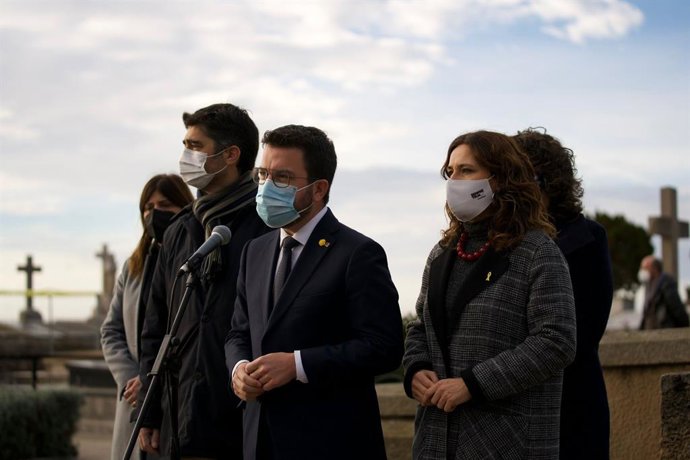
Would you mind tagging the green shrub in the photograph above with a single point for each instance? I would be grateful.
(37, 423)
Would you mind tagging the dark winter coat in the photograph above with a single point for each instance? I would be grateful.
(584, 406)
(210, 423)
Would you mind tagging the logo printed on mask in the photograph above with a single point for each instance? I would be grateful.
(467, 198)
(478, 194)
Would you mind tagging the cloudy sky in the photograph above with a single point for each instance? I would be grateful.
(92, 92)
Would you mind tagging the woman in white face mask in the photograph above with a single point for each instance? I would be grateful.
(496, 316)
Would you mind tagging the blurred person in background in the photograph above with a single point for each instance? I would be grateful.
(662, 305)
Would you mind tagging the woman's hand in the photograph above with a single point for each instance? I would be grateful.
(421, 382)
(447, 394)
(131, 390)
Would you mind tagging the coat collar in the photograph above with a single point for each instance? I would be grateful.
(322, 239)
(482, 273)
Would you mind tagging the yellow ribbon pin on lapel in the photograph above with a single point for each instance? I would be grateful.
(488, 277)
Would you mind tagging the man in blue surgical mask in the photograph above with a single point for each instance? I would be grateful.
(220, 148)
(316, 316)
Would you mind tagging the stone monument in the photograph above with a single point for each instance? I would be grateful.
(29, 315)
(671, 230)
(105, 297)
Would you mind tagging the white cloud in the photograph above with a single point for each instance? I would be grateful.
(125, 28)
(12, 129)
(24, 196)
(383, 63)
(426, 19)
(306, 25)
(576, 21)
(92, 95)
(579, 21)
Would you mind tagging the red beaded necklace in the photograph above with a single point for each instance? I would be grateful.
(472, 256)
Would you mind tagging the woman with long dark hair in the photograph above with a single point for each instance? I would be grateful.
(162, 197)
(496, 317)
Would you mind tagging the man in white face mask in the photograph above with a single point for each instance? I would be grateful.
(193, 164)
(662, 305)
(220, 147)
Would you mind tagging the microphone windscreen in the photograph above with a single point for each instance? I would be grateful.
(224, 233)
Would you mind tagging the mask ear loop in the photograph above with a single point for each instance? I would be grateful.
(308, 185)
(488, 181)
(312, 201)
(219, 152)
(213, 174)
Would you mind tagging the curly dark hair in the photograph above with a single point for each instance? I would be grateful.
(517, 206)
(556, 172)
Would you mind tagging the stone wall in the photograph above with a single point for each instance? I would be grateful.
(634, 363)
(397, 419)
(675, 416)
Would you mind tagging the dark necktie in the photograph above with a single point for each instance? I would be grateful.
(283, 270)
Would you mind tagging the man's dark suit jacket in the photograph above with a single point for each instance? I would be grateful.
(340, 308)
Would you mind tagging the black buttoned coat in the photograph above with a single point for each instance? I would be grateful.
(339, 307)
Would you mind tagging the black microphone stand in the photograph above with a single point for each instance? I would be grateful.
(161, 367)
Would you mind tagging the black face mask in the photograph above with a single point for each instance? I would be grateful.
(157, 222)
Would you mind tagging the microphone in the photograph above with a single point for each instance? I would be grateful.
(220, 236)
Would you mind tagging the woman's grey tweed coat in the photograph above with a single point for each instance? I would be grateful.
(514, 334)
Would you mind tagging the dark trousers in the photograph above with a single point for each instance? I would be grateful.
(264, 444)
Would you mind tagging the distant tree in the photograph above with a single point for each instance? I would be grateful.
(628, 244)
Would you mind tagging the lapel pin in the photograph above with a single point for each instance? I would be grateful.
(488, 277)
(323, 243)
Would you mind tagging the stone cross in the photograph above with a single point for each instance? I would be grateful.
(29, 268)
(670, 228)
